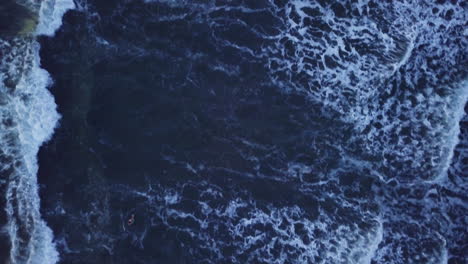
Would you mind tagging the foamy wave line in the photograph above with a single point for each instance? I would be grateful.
(33, 108)
(50, 15)
(458, 112)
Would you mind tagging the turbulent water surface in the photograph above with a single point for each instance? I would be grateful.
(234, 131)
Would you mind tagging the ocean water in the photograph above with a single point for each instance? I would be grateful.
(241, 131)
(28, 115)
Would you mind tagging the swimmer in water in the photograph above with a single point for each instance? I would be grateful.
(131, 220)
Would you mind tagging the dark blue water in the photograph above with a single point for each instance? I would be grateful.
(257, 132)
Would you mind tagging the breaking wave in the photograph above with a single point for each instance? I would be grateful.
(369, 182)
(28, 114)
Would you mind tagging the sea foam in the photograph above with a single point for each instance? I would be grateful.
(31, 111)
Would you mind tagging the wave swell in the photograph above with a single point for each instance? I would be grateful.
(28, 115)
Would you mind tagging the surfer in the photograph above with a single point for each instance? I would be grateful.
(131, 220)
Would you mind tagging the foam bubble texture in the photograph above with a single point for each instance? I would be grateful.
(261, 233)
(392, 69)
(50, 15)
(29, 116)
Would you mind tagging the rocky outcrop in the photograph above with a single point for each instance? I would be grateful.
(16, 19)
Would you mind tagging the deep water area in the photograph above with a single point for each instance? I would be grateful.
(256, 131)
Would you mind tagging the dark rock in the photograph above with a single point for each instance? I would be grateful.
(15, 18)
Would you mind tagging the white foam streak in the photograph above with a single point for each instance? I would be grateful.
(37, 114)
(33, 111)
(374, 244)
(37, 117)
(50, 15)
(459, 102)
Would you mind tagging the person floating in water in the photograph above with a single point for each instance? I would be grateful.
(131, 220)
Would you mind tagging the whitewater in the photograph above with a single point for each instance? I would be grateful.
(285, 132)
(28, 114)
